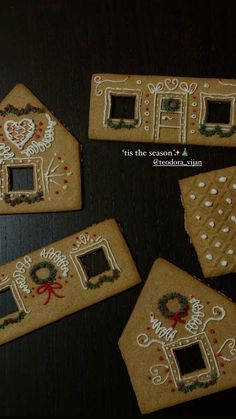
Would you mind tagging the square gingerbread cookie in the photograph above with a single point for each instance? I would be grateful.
(209, 201)
(179, 342)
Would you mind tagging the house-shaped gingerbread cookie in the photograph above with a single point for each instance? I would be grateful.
(39, 158)
(179, 343)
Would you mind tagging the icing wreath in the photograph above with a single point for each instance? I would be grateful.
(177, 315)
(43, 265)
(48, 284)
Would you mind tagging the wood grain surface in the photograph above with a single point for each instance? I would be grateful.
(74, 367)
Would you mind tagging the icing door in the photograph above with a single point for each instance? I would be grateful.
(170, 124)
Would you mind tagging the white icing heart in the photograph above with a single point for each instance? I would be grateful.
(19, 133)
(171, 84)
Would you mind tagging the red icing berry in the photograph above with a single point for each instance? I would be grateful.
(59, 158)
(161, 358)
(172, 390)
(56, 192)
(212, 331)
(215, 341)
(65, 181)
(148, 328)
(170, 381)
(65, 167)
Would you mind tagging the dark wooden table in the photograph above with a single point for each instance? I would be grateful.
(74, 366)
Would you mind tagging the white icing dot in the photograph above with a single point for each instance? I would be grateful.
(194, 103)
(138, 81)
(193, 116)
(228, 200)
(201, 184)
(146, 128)
(192, 131)
(208, 203)
(230, 252)
(234, 186)
(211, 224)
(146, 113)
(209, 256)
(217, 244)
(213, 191)
(192, 196)
(222, 179)
(198, 217)
(146, 102)
(233, 218)
(225, 229)
(224, 263)
(206, 85)
(204, 236)
(220, 211)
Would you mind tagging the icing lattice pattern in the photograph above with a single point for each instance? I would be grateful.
(209, 200)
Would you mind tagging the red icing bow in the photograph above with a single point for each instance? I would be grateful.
(50, 288)
(177, 318)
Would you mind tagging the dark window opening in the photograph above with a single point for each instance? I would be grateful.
(218, 112)
(21, 178)
(7, 303)
(122, 107)
(95, 263)
(190, 359)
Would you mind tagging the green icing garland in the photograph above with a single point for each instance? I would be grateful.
(197, 384)
(121, 124)
(32, 199)
(102, 279)
(13, 320)
(10, 109)
(216, 130)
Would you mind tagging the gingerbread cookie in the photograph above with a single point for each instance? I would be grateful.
(179, 343)
(39, 158)
(179, 110)
(209, 201)
(64, 277)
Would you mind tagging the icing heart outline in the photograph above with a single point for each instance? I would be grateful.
(231, 346)
(19, 132)
(157, 377)
(171, 84)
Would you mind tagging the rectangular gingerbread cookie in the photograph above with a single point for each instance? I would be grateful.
(179, 342)
(209, 201)
(39, 158)
(163, 109)
(58, 280)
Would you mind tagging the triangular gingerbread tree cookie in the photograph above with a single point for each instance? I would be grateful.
(39, 158)
(179, 343)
